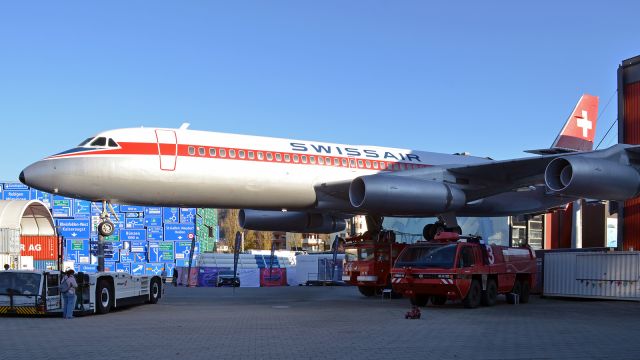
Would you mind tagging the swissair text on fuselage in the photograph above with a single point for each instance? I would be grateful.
(348, 151)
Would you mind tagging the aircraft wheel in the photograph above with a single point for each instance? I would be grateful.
(106, 228)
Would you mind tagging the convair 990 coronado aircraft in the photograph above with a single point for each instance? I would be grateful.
(294, 185)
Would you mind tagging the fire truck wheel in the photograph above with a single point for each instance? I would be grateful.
(489, 296)
(419, 300)
(474, 296)
(524, 292)
(106, 228)
(438, 300)
(517, 289)
(367, 291)
(104, 298)
(154, 291)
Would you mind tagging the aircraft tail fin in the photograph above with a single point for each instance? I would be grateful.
(579, 131)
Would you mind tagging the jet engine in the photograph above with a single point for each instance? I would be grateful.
(400, 195)
(291, 221)
(593, 178)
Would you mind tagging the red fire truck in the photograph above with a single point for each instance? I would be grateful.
(453, 267)
(369, 260)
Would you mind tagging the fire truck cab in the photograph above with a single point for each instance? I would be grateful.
(454, 267)
(369, 259)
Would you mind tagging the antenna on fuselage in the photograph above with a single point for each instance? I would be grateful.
(184, 126)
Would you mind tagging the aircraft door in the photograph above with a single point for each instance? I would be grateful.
(167, 149)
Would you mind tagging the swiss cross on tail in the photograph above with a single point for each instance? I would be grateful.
(578, 132)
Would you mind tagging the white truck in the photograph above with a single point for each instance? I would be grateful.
(24, 292)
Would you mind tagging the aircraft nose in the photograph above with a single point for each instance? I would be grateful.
(21, 177)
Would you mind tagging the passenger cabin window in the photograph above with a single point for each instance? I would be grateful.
(241, 154)
(201, 151)
(251, 155)
(278, 157)
(320, 160)
(212, 152)
(287, 157)
(269, 156)
(296, 158)
(223, 153)
(112, 143)
(312, 159)
(304, 158)
(336, 162)
(232, 153)
(328, 160)
(192, 150)
(260, 155)
(101, 141)
(466, 257)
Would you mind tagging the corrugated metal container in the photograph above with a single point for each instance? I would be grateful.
(45, 264)
(40, 247)
(10, 241)
(631, 135)
(612, 275)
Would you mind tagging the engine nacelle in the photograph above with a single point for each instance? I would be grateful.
(399, 195)
(585, 177)
(291, 221)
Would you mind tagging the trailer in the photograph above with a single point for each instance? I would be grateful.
(37, 292)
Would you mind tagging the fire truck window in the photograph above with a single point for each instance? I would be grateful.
(434, 256)
(466, 257)
(366, 254)
(351, 254)
(383, 255)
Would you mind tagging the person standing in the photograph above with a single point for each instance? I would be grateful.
(163, 275)
(68, 287)
(175, 277)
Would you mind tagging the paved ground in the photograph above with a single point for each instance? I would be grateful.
(328, 323)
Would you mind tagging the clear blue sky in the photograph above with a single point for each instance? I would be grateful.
(492, 78)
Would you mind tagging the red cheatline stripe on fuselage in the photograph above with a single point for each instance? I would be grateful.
(241, 154)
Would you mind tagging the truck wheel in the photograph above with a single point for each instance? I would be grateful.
(419, 300)
(154, 291)
(474, 296)
(438, 300)
(524, 292)
(489, 296)
(106, 228)
(367, 291)
(104, 298)
(517, 289)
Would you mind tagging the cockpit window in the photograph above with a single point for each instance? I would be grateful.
(112, 143)
(85, 142)
(99, 142)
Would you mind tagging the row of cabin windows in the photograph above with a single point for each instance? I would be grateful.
(304, 159)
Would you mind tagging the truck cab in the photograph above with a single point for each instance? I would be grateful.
(368, 261)
(463, 268)
(29, 292)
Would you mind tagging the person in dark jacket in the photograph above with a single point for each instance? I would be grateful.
(175, 277)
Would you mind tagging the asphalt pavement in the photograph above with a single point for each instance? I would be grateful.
(328, 323)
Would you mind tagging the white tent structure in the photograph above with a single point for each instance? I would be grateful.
(30, 217)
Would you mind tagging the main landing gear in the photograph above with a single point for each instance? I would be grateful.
(446, 223)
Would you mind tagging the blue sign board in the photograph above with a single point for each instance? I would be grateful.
(183, 248)
(15, 186)
(153, 221)
(153, 268)
(87, 268)
(129, 208)
(74, 228)
(77, 250)
(138, 268)
(62, 206)
(187, 215)
(178, 231)
(139, 257)
(171, 215)
(153, 211)
(46, 198)
(132, 234)
(169, 267)
(155, 233)
(134, 214)
(134, 223)
(161, 251)
(138, 246)
(126, 256)
(109, 265)
(82, 208)
(123, 267)
(17, 194)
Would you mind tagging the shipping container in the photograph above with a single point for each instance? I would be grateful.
(611, 275)
(10, 241)
(40, 247)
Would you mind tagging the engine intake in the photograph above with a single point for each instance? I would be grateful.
(291, 221)
(399, 195)
(586, 177)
